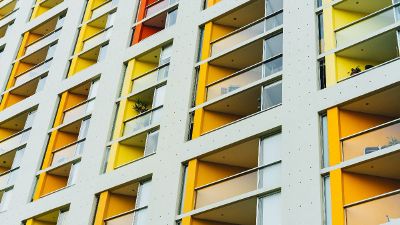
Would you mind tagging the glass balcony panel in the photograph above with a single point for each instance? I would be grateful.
(375, 212)
(15, 141)
(270, 177)
(75, 113)
(150, 79)
(142, 121)
(67, 153)
(365, 27)
(272, 95)
(140, 217)
(103, 8)
(126, 219)
(273, 66)
(39, 70)
(156, 7)
(226, 189)
(236, 38)
(371, 141)
(246, 34)
(235, 82)
(8, 178)
(97, 39)
(39, 44)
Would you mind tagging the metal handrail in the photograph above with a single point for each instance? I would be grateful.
(371, 129)
(144, 113)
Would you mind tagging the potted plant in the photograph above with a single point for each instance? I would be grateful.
(140, 106)
(355, 70)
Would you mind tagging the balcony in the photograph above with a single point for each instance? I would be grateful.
(42, 6)
(147, 25)
(246, 33)
(103, 7)
(43, 41)
(367, 127)
(149, 79)
(370, 24)
(237, 170)
(18, 139)
(130, 204)
(158, 6)
(379, 210)
(67, 153)
(97, 39)
(56, 179)
(8, 7)
(146, 119)
(4, 28)
(16, 131)
(87, 59)
(33, 72)
(371, 140)
(78, 111)
(7, 178)
(55, 217)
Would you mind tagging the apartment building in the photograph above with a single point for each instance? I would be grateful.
(199, 112)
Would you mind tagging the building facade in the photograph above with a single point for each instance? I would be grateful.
(199, 112)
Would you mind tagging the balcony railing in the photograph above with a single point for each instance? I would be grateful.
(7, 178)
(14, 140)
(238, 184)
(371, 140)
(156, 7)
(380, 210)
(150, 78)
(143, 120)
(39, 43)
(77, 111)
(33, 72)
(247, 32)
(367, 25)
(244, 77)
(67, 152)
(103, 8)
(136, 217)
(97, 39)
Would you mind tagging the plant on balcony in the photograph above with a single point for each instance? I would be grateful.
(392, 141)
(140, 106)
(355, 70)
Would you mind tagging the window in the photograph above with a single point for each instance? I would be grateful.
(171, 19)
(271, 95)
(322, 73)
(319, 3)
(270, 210)
(321, 42)
(327, 201)
(151, 143)
(5, 198)
(324, 133)
(273, 6)
(270, 156)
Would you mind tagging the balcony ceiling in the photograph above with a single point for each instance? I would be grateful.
(51, 3)
(16, 123)
(377, 103)
(49, 217)
(137, 140)
(387, 167)
(243, 213)
(379, 49)
(241, 104)
(236, 59)
(128, 190)
(151, 57)
(36, 57)
(81, 89)
(7, 159)
(157, 21)
(363, 6)
(241, 155)
(72, 128)
(62, 170)
(47, 27)
(27, 89)
(244, 15)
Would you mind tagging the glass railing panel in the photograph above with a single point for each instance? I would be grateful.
(156, 7)
(14, 141)
(234, 82)
(364, 27)
(39, 44)
(7, 178)
(371, 141)
(246, 33)
(150, 79)
(142, 121)
(382, 211)
(67, 153)
(75, 113)
(97, 39)
(101, 10)
(126, 219)
(41, 69)
(225, 189)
